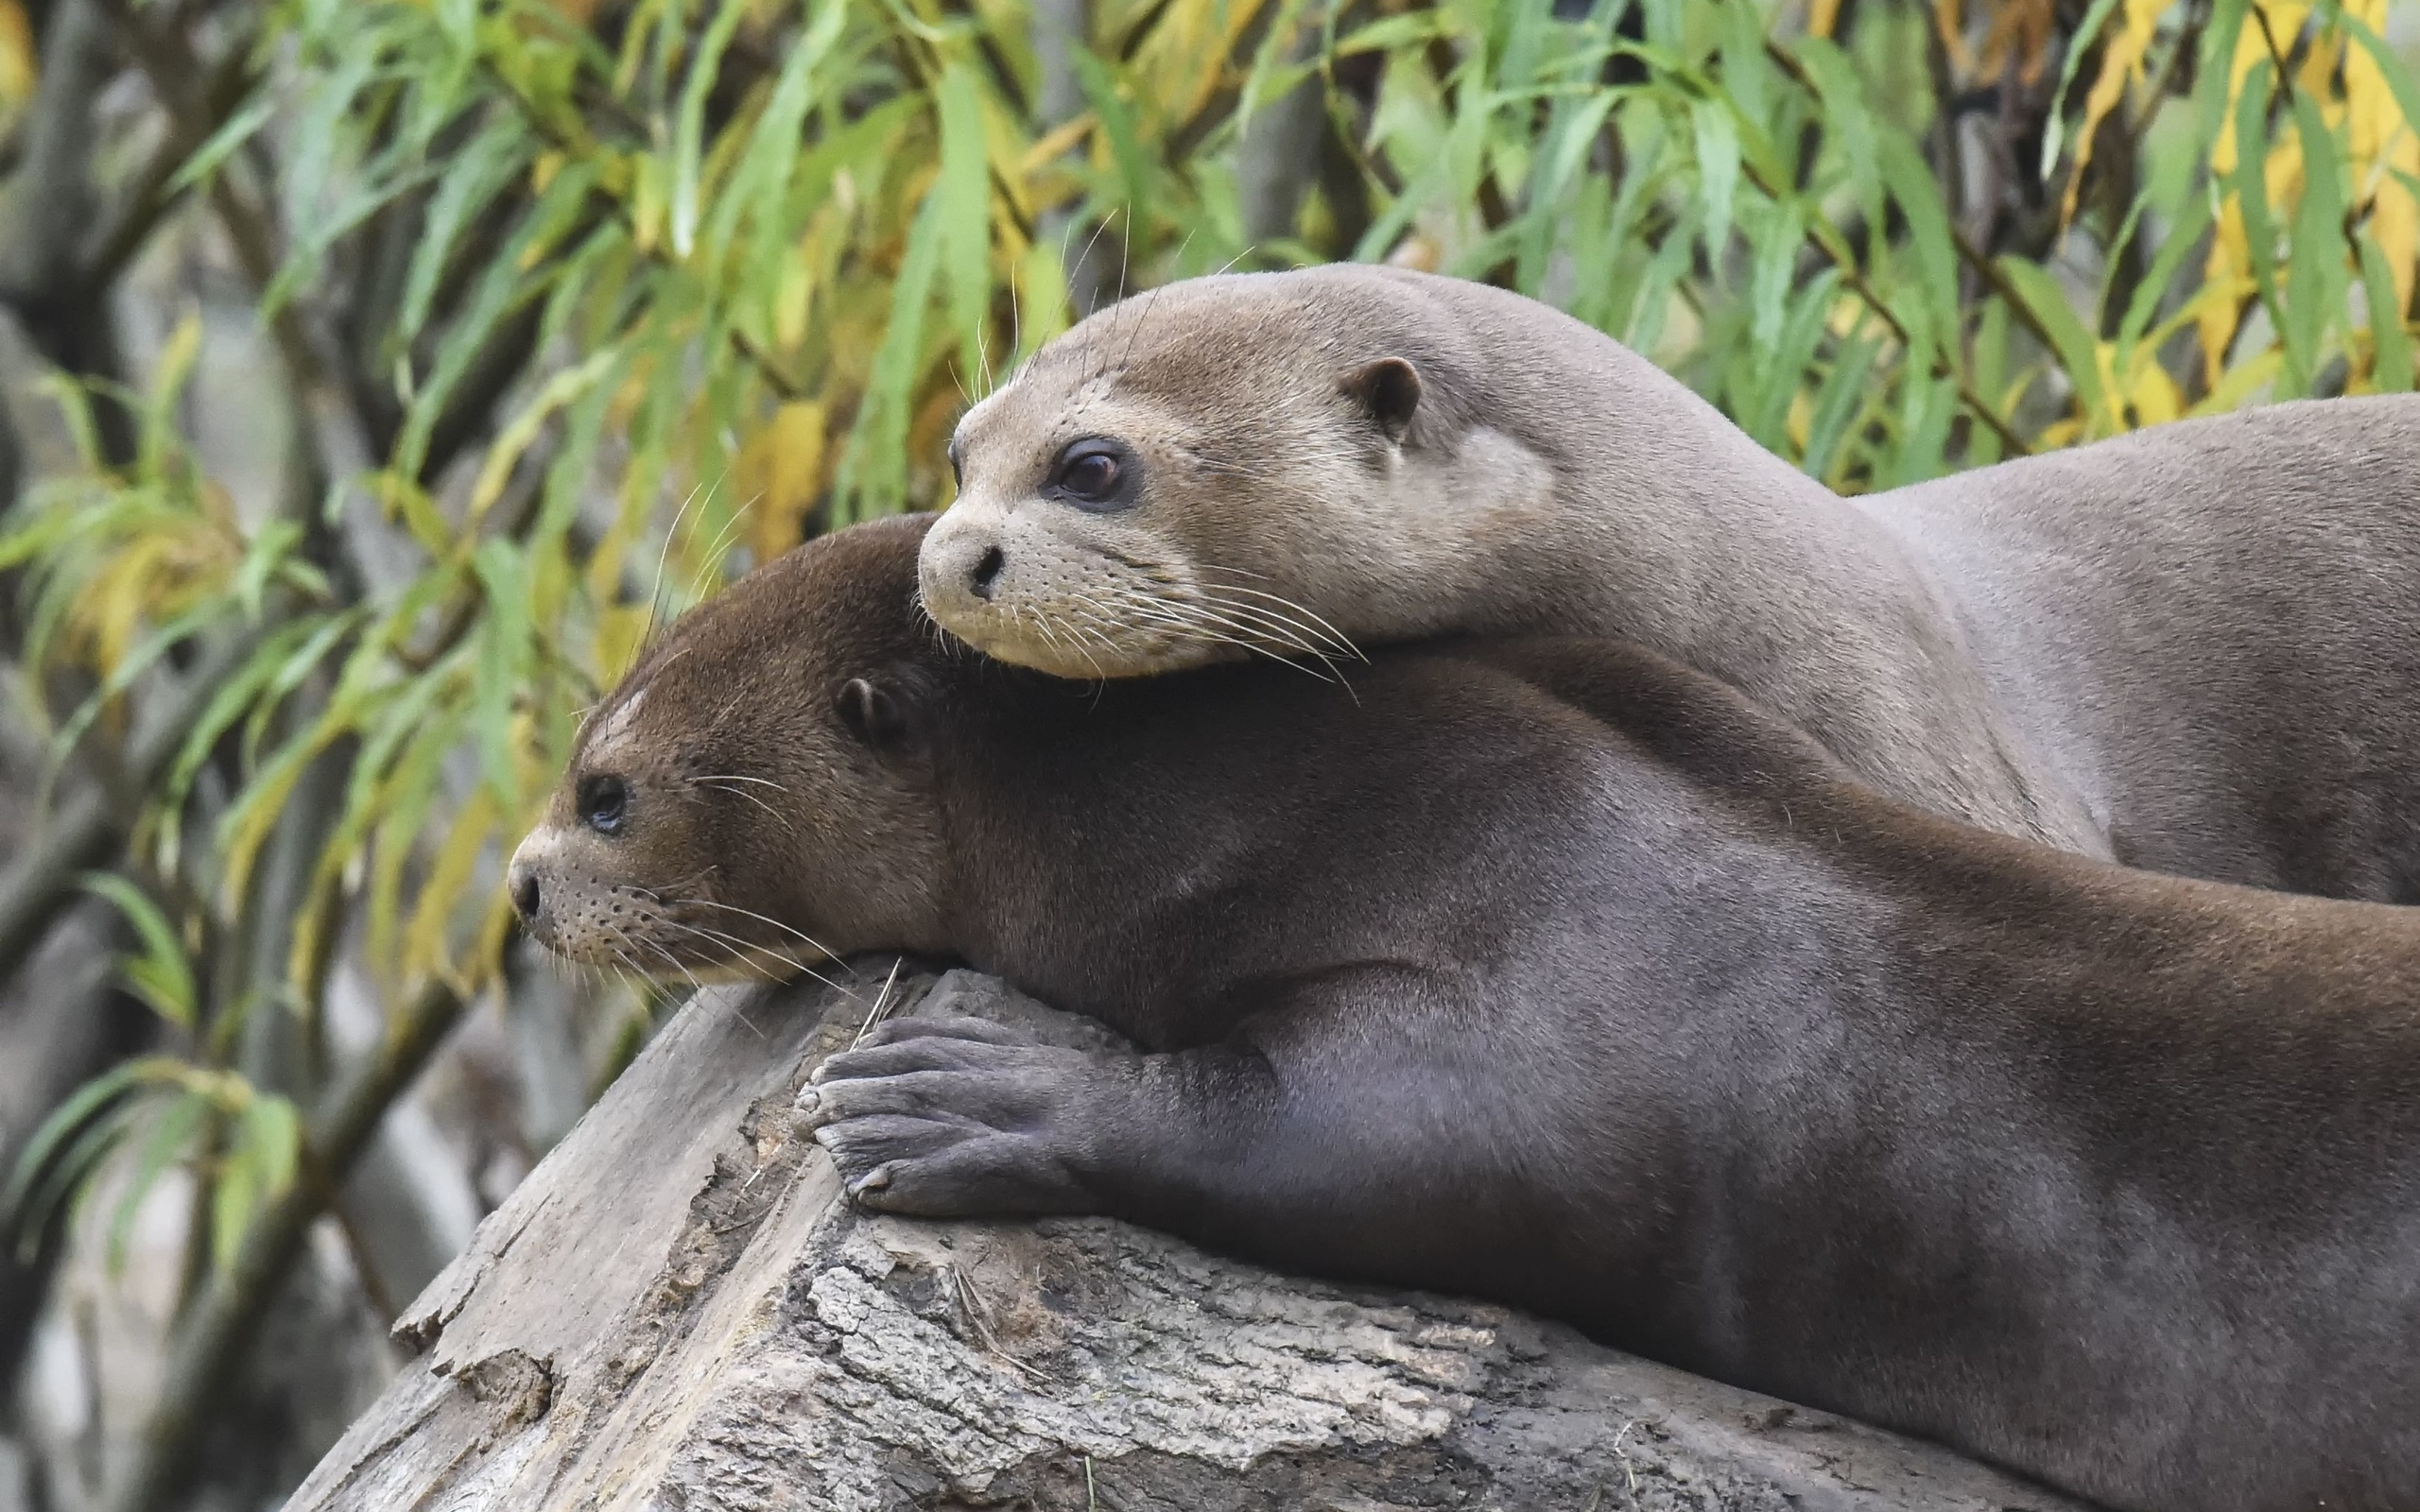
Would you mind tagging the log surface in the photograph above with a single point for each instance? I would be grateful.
(678, 1308)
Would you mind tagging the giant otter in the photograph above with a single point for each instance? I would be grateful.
(2193, 647)
(1556, 972)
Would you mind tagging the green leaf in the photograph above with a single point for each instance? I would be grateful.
(1912, 185)
(161, 976)
(492, 160)
(504, 657)
(2251, 198)
(223, 144)
(1118, 124)
(1837, 404)
(2392, 370)
(2182, 241)
(172, 1135)
(31, 1196)
(689, 133)
(882, 424)
(1785, 359)
(965, 190)
(1717, 140)
(2077, 351)
(269, 1130)
(2317, 288)
(233, 1195)
(2398, 78)
(2078, 46)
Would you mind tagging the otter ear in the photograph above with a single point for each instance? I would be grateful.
(1389, 390)
(877, 713)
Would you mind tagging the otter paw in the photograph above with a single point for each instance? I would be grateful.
(937, 1123)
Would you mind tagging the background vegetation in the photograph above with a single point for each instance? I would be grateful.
(381, 370)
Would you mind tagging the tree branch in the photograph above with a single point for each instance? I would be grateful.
(87, 829)
(225, 1317)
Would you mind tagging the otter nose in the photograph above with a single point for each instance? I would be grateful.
(987, 572)
(522, 881)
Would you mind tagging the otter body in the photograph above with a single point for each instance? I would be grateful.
(2191, 649)
(1555, 972)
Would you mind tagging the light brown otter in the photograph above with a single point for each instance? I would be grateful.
(1555, 972)
(2193, 647)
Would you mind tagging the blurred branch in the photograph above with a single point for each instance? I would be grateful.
(88, 829)
(227, 1316)
(214, 101)
(48, 207)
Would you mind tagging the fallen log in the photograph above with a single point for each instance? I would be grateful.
(678, 1308)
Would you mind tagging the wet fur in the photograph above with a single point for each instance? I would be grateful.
(1553, 972)
(2192, 648)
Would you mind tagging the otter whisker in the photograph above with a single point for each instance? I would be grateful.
(738, 946)
(1075, 634)
(1084, 258)
(735, 777)
(1336, 637)
(779, 818)
(719, 548)
(1194, 624)
(697, 987)
(1184, 627)
(1017, 331)
(1302, 637)
(811, 942)
(1210, 624)
(655, 590)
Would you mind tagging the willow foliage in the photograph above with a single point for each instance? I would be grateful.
(759, 253)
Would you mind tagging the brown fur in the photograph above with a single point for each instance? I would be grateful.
(1556, 972)
(2192, 648)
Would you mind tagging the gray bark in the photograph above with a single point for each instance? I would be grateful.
(679, 1308)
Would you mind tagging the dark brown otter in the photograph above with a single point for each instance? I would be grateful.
(1555, 972)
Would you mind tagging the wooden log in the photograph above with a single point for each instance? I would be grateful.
(678, 1308)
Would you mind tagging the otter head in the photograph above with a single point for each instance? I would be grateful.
(755, 796)
(1254, 462)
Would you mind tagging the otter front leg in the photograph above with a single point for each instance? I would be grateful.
(1373, 1123)
(955, 1117)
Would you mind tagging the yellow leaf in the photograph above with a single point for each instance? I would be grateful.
(794, 296)
(646, 203)
(2382, 144)
(2154, 394)
(786, 460)
(449, 878)
(2241, 383)
(2059, 434)
(2026, 28)
(1950, 26)
(1056, 142)
(17, 69)
(2121, 64)
(517, 437)
(1822, 16)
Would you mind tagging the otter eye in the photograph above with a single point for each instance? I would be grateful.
(956, 473)
(602, 803)
(1094, 474)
